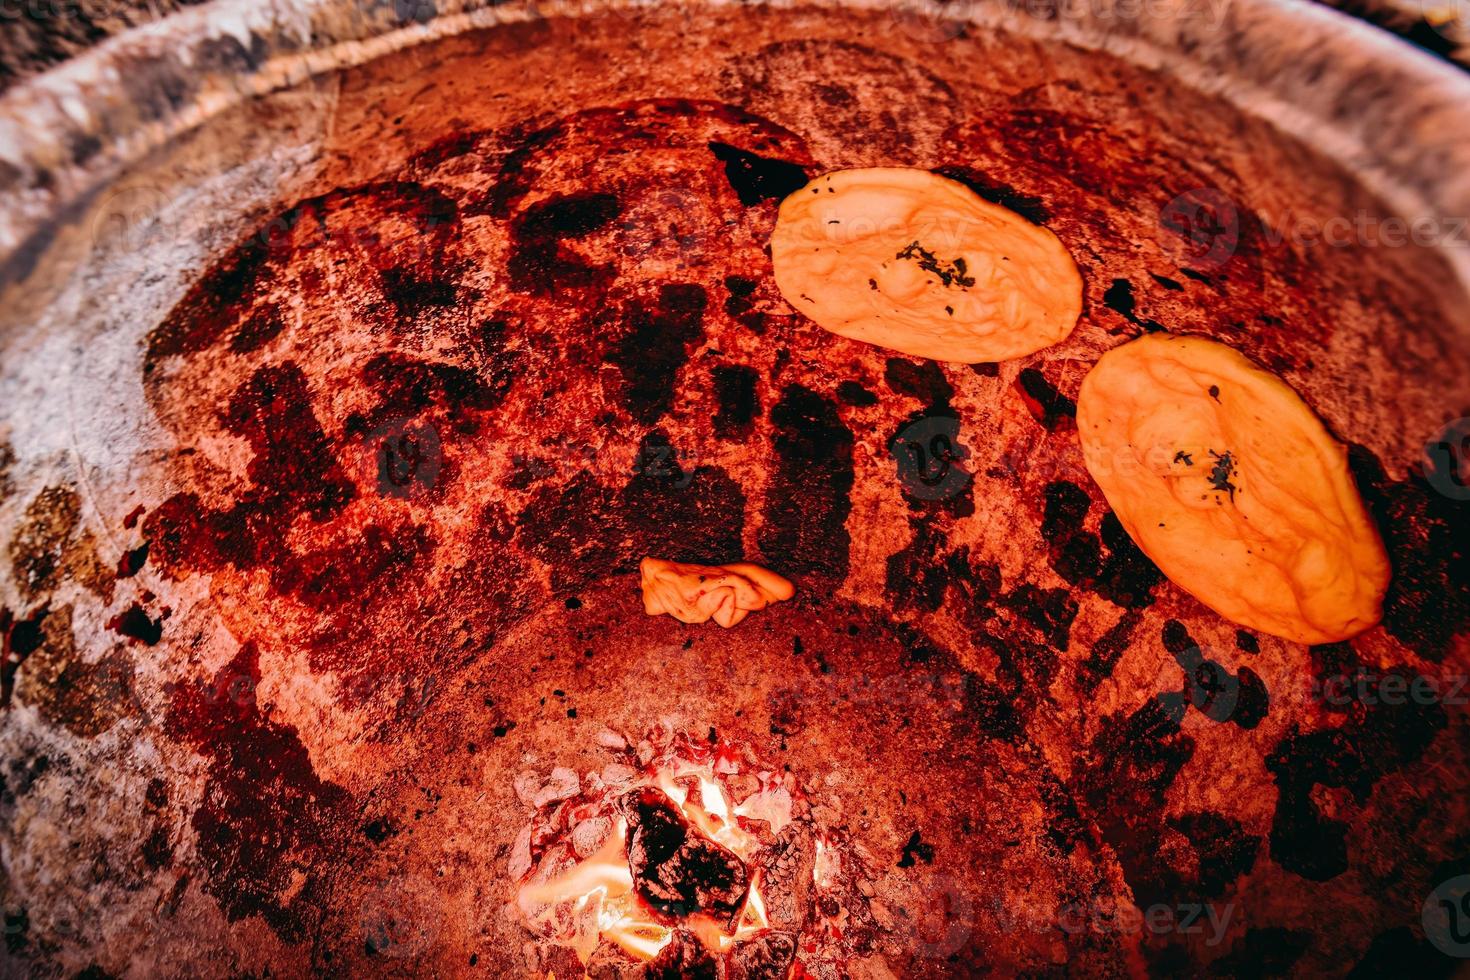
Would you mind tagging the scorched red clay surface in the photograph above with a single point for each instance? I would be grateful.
(419, 426)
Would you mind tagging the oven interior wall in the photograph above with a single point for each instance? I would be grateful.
(293, 724)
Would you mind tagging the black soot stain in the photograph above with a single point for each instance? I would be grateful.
(756, 178)
(809, 499)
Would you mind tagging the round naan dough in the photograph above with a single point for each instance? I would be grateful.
(918, 263)
(1228, 481)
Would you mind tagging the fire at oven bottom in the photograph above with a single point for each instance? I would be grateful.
(691, 859)
(623, 795)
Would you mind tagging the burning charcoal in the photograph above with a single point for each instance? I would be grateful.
(588, 836)
(767, 956)
(562, 785)
(610, 961)
(527, 785)
(677, 870)
(786, 876)
(684, 958)
(520, 855)
(610, 739)
(616, 774)
(742, 786)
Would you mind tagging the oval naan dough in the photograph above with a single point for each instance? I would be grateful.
(918, 263)
(1228, 481)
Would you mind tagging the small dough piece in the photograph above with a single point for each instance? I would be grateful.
(699, 593)
(1228, 481)
(921, 264)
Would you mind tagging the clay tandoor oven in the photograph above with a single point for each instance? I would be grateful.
(353, 359)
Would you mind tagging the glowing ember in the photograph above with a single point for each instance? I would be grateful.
(828, 865)
(601, 888)
(670, 864)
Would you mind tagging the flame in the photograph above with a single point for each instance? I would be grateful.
(751, 921)
(753, 918)
(712, 815)
(605, 871)
(631, 928)
(594, 899)
(827, 866)
(599, 893)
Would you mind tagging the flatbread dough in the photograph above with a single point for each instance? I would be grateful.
(1228, 481)
(920, 264)
(699, 593)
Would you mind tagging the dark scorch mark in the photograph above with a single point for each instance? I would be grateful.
(1223, 850)
(853, 394)
(1124, 575)
(1379, 736)
(735, 390)
(804, 532)
(1108, 650)
(1427, 536)
(1210, 687)
(923, 380)
(1050, 611)
(916, 850)
(585, 530)
(134, 624)
(654, 345)
(541, 263)
(1264, 951)
(132, 561)
(1129, 767)
(919, 574)
(755, 178)
(407, 387)
(19, 638)
(1119, 298)
(226, 303)
(1397, 952)
(1027, 206)
(267, 825)
(409, 292)
(1047, 406)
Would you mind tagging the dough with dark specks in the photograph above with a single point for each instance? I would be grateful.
(1229, 482)
(921, 264)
